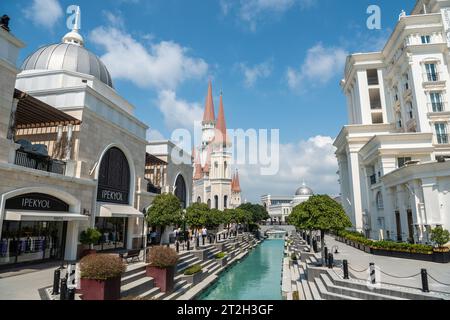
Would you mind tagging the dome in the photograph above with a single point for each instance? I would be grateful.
(304, 191)
(70, 57)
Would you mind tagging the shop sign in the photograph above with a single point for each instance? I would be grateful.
(36, 202)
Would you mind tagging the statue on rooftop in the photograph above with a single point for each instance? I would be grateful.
(4, 22)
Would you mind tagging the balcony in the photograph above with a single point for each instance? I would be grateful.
(430, 77)
(39, 162)
(434, 107)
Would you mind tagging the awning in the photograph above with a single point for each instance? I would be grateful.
(43, 216)
(117, 211)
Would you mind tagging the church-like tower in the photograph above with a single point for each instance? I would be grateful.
(212, 160)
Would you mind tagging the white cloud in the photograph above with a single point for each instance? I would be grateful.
(253, 73)
(320, 66)
(162, 65)
(154, 135)
(253, 12)
(178, 113)
(44, 13)
(312, 161)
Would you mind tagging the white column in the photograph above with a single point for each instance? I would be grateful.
(431, 200)
(68, 155)
(71, 241)
(402, 209)
(130, 232)
(357, 217)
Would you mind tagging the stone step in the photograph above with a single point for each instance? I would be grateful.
(134, 268)
(326, 295)
(137, 287)
(180, 291)
(353, 293)
(148, 295)
(178, 285)
(185, 258)
(214, 268)
(186, 263)
(133, 277)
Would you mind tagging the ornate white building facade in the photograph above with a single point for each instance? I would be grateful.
(394, 177)
(214, 182)
(280, 207)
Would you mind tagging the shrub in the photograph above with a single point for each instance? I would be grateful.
(101, 267)
(220, 255)
(193, 270)
(162, 257)
(440, 236)
(90, 236)
(293, 257)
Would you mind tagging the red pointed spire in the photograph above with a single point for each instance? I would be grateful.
(221, 126)
(209, 115)
(197, 166)
(236, 186)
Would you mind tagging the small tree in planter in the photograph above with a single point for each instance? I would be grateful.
(294, 258)
(162, 265)
(441, 237)
(101, 276)
(88, 238)
(165, 211)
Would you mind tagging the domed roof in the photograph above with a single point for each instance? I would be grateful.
(69, 55)
(304, 191)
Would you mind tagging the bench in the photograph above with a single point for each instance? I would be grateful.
(131, 254)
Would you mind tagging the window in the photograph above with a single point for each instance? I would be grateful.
(410, 110)
(425, 39)
(372, 77)
(436, 101)
(216, 202)
(431, 71)
(380, 204)
(401, 162)
(441, 133)
(225, 202)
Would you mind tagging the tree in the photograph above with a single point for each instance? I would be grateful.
(214, 218)
(440, 236)
(243, 217)
(196, 215)
(259, 213)
(165, 211)
(322, 213)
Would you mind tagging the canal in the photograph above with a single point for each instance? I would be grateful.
(256, 277)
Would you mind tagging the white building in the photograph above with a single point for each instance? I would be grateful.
(280, 207)
(214, 182)
(72, 154)
(394, 179)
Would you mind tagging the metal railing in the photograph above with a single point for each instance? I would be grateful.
(38, 162)
(437, 106)
(442, 138)
(432, 76)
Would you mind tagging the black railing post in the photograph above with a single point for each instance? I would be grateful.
(330, 261)
(71, 294)
(325, 252)
(177, 244)
(188, 245)
(345, 265)
(425, 287)
(56, 279)
(203, 240)
(373, 279)
(197, 241)
(63, 294)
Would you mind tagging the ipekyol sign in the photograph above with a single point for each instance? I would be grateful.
(36, 202)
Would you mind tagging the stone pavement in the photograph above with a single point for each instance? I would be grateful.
(392, 270)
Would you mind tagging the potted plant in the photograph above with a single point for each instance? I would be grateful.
(222, 259)
(440, 237)
(294, 258)
(101, 276)
(88, 238)
(194, 274)
(162, 263)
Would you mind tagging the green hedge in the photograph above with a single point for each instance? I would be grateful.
(386, 245)
(220, 255)
(193, 270)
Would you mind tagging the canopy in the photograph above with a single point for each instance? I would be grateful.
(14, 215)
(117, 211)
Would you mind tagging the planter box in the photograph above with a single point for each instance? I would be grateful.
(223, 262)
(441, 257)
(164, 278)
(101, 289)
(403, 255)
(195, 279)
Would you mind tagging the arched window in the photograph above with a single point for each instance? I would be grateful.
(380, 204)
(180, 191)
(225, 202)
(216, 202)
(114, 178)
(209, 203)
(199, 200)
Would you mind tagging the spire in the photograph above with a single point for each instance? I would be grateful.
(209, 115)
(221, 126)
(236, 185)
(74, 36)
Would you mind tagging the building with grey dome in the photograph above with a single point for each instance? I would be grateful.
(280, 207)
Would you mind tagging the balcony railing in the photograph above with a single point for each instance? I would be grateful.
(432, 77)
(373, 179)
(437, 106)
(39, 162)
(442, 138)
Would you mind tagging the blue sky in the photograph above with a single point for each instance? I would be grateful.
(278, 63)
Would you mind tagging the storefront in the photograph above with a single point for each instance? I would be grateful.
(35, 229)
(115, 217)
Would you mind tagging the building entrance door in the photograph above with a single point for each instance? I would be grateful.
(410, 226)
(399, 226)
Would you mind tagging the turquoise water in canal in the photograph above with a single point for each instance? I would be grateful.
(256, 277)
